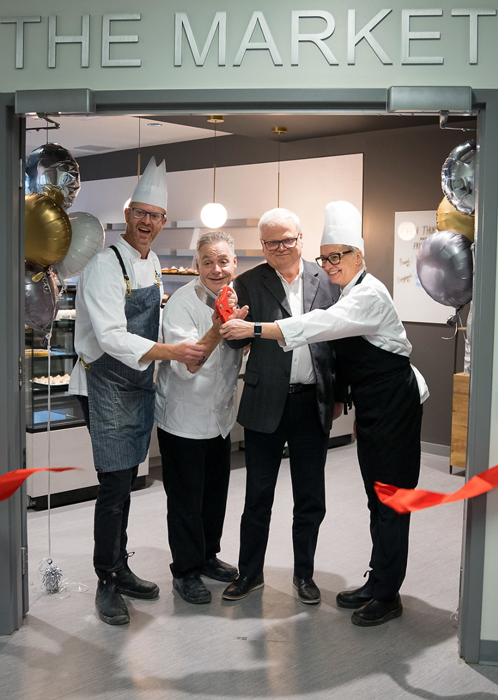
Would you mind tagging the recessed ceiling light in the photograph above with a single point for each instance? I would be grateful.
(154, 124)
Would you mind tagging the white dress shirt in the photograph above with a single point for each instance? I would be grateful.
(302, 371)
(196, 405)
(101, 325)
(364, 309)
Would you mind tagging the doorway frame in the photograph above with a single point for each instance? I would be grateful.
(13, 584)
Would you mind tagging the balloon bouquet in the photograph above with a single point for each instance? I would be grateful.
(445, 262)
(57, 246)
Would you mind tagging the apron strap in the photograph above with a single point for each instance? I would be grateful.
(123, 268)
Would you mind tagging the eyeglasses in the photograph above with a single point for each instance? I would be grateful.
(142, 213)
(285, 242)
(333, 258)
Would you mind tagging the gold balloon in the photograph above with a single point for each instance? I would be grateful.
(48, 230)
(54, 193)
(448, 218)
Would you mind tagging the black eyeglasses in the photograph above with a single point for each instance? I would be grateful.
(333, 258)
(285, 242)
(142, 213)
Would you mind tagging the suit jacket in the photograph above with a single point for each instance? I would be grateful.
(267, 376)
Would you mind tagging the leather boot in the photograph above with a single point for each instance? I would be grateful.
(110, 605)
(134, 587)
(358, 597)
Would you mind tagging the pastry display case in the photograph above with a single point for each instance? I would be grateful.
(41, 369)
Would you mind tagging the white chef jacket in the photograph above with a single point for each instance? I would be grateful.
(101, 325)
(196, 405)
(302, 371)
(364, 309)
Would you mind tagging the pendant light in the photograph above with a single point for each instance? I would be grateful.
(278, 130)
(128, 201)
(214, 215)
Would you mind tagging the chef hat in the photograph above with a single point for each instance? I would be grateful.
(152, 188)
(342, 225)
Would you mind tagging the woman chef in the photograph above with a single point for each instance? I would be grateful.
(373, 359)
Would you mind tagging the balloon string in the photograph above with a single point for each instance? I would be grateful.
(49, 346)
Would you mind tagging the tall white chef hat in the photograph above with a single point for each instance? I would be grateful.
(152, 187)
(342, 225)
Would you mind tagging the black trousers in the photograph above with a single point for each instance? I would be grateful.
(112, 509)
(300, 427)
(196, 474)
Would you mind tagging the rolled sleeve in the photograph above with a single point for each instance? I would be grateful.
(106, 310)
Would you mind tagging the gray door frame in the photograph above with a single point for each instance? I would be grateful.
(13, 601)
(13, 530)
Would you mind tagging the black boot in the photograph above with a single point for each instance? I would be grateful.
(358, 597)
(110, 605)
(131, 585)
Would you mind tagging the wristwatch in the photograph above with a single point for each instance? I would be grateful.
(258, 330)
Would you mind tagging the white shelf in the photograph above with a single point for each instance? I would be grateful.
(230, 223)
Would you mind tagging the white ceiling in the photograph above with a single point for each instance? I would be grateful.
(85, 136)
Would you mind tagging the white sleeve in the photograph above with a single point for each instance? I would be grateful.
(103, 292)
(360, 313)
(180, 325)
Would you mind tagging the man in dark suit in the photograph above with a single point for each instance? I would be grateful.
(288, 398)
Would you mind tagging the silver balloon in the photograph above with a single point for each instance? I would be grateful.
(52, 164)
(457, 177)
(41, 297)
(445, 269)
(87, 240)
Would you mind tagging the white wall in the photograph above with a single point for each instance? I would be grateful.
(247, 191)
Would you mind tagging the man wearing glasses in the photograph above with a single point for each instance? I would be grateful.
(288, 398)
(117, 323)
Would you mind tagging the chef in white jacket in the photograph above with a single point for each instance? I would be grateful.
(195, 413)
(117, 323)
(372, 358)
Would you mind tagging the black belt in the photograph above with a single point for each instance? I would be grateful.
(299, 388)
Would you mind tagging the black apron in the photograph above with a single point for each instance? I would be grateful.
(386, 398)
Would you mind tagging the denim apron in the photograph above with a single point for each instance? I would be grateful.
(121, 399)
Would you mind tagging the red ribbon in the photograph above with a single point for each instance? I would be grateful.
(10, 482)
(408, 500)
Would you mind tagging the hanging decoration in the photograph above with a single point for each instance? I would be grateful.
(448, 218)
(409, 500)
(87, 240)
(457, 177)
(41, 297)
(51, 164)
(48, 231)
(445, 268)
(214, 214)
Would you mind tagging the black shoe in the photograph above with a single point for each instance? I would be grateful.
(219, 571)
(192, 589)
(356, 598)
(376, 612)
(307, 590)
(242, 586)
(131, 585)
(110, 606)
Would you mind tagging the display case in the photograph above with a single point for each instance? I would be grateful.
(65, 410)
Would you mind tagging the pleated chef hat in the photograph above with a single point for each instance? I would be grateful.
(342, 225)
(152, 187)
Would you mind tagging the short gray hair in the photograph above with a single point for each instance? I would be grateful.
(277, 217)
(355, 251)
(215, 237)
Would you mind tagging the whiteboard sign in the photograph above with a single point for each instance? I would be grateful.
(412, 302)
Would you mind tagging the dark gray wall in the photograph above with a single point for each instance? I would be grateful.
(401, 173)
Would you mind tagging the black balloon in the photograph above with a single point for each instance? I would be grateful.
(41, 297)
(52, 164)
(445, 268)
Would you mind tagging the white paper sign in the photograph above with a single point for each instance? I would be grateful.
(412, 302)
